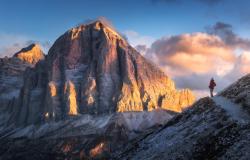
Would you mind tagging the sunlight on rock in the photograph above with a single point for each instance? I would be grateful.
(52, 88)
(32, 54)
(73, 108)
(130, 99)
(97, 150)
(186, 99)
(46, 115)
(66, 148)
(76, 32)
(90, 100)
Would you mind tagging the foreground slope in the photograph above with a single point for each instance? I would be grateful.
(211, 129)
(239, 92)
(83, 137)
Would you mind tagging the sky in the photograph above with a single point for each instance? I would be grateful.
(191, 40)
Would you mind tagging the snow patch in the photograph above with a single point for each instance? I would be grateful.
(138, 121)
(234, 110)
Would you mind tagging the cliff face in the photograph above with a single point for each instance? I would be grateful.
(11, 78)
(92, 69)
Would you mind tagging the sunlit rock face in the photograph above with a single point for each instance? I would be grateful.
(92, 69)
(31, 54)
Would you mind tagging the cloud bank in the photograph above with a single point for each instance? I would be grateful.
(226, 33)
(192, 59)
(197, 53)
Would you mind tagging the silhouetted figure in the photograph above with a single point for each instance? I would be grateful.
(212, 84)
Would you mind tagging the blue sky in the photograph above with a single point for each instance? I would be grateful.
(45, 20)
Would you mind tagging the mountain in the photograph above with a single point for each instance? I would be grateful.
(213, 128)
(90, 95)
(11, 75)
(82, 137)
(95, 97)
(91, 69)
(31, 54)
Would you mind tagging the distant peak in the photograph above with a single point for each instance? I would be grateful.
(100, 20)
(31, 54)
(28, 48)
(96, 23)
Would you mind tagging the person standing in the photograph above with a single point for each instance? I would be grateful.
(211, 86)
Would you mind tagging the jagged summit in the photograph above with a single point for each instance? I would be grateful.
(31, 54)
(99, 23)
(97, 26)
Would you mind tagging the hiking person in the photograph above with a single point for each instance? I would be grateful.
(211, 86)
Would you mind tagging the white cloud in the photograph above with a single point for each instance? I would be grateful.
(201, 93)
(135, 38)
(198, 53)
(193, 59)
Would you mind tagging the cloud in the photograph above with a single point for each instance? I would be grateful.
(201, 93)
(104, 20)
(193, 59)
(141, 49)
(136, 39)
(192, 53)
(241, 67)
(199, 82)
(225, 31)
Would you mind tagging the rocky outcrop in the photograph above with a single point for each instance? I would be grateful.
(31, 54)
(92, 69)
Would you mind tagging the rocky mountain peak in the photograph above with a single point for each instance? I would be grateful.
(92, 69)
(31, 54)
(100, 25)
